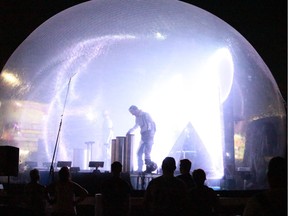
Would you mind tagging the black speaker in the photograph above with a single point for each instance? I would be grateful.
(9, 161)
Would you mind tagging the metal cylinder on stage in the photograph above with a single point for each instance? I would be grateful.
(113, 151)
(128, 154)
(122, 151)
(80, 158)
(118, 149)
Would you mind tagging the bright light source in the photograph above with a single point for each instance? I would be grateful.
(10, 78)
(160, 36)
(193, 100)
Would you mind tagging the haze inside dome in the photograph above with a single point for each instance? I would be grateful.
(175, 61)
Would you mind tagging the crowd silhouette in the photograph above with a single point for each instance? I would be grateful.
(65, 194)
(185, 167)
(35, 195)
(116, 193)
(203, 200)
(167, 194)
(273, 201)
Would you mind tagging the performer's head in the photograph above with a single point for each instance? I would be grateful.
(134, 110)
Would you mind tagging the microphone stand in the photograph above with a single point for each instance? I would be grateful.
(51, 172)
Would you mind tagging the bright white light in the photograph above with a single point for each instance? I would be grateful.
(197, 100)
(18, 104)
(10, 78)
(160, 36)
(91, 115)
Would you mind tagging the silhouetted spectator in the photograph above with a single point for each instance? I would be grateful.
(185, 166)
(203, 200)
(274, 200)
(66, 193)
(116, 193)
(166, 194)
(35, 195)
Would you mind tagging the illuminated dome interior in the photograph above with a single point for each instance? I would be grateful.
(200, 80)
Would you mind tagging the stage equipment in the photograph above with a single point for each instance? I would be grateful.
(47, 165)
(9, 161)
(74, 169)
(96, 164)
(117, 149)
(31, 164)
(122, 151)
(113, 150)
(128, 154)
(89, 149)
(64, 164)
(80, 158)
(51, 174)
(245, 174)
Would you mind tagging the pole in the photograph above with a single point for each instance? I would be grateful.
(51, 173)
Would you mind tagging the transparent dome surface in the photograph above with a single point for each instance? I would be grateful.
(211, 95)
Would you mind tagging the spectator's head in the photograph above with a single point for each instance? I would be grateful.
(185, 166)
(64, 174)
(168, 165)
(199, 176)
(277, 172)
(116, 168)
(34, 175)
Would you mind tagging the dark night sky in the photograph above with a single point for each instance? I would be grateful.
(262, 22)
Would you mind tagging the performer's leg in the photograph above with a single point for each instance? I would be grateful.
(150, 165)
(147, 152)
(139, 157)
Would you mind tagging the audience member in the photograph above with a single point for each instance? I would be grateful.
(35, 195)
(203, 200)
(274, 200)
(166, 194)
(116, 193)
(66, 193)
(185, 166)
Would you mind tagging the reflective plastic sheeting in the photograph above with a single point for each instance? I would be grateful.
(201, 81)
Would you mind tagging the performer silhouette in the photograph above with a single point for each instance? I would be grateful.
(147, 130)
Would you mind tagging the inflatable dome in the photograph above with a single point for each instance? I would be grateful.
(211, 95)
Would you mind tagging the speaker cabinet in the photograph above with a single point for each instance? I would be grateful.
(9, 161)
